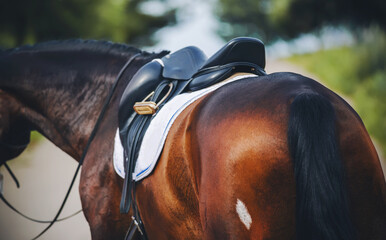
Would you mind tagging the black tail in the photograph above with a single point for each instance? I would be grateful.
(321, 195)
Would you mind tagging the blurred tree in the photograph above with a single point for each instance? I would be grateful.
(29, 21)
(270, 19)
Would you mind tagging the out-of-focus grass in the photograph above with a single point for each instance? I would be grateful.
(35, 138)
(358, 72)
(333, 67)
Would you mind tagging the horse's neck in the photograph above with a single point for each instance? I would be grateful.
(59, 88)
(65, 108)
(75, 112)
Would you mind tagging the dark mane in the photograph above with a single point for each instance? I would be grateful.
(17, 63)
(78, 44)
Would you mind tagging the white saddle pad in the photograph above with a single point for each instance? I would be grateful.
(155, 136)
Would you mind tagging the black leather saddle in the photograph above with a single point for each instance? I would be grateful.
(190, 67)
(160, 80)
(180, 66)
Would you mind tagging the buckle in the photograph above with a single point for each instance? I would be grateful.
(137, 225)
(149, 107)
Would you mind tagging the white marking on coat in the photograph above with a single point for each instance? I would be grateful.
(243, 213)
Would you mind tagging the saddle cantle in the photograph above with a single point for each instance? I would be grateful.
(185, 70)
(241, 54)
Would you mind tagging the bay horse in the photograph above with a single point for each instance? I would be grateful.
(271, 157)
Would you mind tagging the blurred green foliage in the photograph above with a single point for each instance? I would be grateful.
(358, 72)
(30, 21)
(287, 19)
(35, 137)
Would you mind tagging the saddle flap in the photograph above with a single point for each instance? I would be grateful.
(182, 64)
(143, 82)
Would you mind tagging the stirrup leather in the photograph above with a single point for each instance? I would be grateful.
(149, 107)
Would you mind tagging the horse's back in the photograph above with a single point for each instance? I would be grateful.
(247, 181)
(242, 131)
(226, 166)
